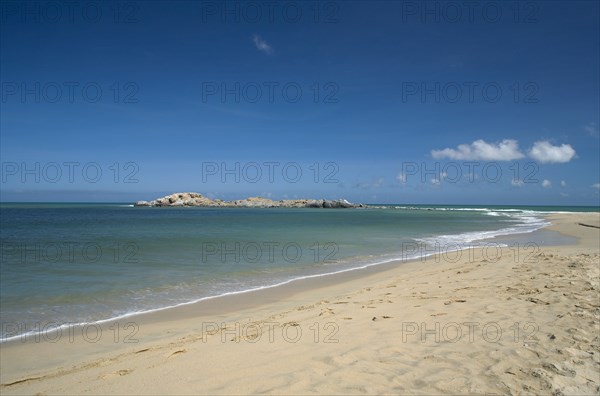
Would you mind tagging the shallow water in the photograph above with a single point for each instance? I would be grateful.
(81, 263)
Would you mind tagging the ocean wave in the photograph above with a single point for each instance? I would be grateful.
(526, 222)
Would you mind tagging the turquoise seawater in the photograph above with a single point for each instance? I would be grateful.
(79, 263)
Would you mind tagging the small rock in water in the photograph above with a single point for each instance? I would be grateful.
(195, 199)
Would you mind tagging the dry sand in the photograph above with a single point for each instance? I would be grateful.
(520, 320)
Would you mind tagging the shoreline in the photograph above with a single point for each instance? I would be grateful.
(381, 264)
(185, 324)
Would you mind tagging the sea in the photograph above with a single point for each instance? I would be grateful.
(64, 264)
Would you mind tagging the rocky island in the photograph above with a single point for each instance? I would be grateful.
(195, 199)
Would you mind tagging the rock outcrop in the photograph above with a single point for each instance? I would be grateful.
(195, 199)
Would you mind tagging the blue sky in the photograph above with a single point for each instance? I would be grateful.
(380, 102)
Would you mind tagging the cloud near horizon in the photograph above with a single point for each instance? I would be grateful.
(507, 150)
(545, 153)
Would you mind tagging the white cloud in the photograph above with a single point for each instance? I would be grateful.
(591, 129)
(507, 150)
(596, 186)
(545, 153)
(401, 178)
(262, 45)
(546, 183)
(563, 183)
(564, 194)
(516, 182)
(438, 180)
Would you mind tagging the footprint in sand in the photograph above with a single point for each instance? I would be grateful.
(455, 300)
(327, 311)
(178, 352)
(116, 374)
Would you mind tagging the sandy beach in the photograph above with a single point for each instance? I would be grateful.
(523, 319)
